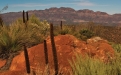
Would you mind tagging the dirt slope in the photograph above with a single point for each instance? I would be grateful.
(66, 46)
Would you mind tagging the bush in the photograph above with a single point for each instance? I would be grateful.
(66, 29)
(85, 34)
(117, 47)
(89, 66)
(13, 37)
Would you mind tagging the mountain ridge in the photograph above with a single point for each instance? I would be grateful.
(66, 14)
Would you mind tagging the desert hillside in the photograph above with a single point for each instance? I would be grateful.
(67, 46)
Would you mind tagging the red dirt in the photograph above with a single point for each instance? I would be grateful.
(2, 62)
(66, 46)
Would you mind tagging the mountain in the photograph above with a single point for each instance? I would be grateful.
(66, 14)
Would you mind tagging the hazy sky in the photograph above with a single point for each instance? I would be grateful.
(109, 6)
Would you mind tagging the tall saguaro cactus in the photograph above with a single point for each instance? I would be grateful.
(26, 59)
(25, 49)
(55, 59)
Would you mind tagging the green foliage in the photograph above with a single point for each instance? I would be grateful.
(85, 34)
(63, 31)
(88, 66)
(66, 29)
(117, 47)
(13, 37)
(9, 41)
(34, 23)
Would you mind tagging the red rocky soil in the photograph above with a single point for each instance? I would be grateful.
(2, 62)
(66, 46)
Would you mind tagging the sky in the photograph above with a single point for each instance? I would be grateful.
(109, 6)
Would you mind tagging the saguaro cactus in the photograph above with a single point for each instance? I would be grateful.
(23, 16)
(55, 59)
(27, 16)
(25, 49)
(46, 58)
(46, 52)
(26, 59)
(1, 21)
(25, 19)
(61, 25)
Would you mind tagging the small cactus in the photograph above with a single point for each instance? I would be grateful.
(23, 16)
(46, 57)
(46, 52)
(61, 25)
(27, 16)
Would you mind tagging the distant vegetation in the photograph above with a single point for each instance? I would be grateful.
(90, 29)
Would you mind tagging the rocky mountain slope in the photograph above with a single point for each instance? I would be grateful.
(66, 14)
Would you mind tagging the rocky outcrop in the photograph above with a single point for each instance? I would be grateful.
(67, 46)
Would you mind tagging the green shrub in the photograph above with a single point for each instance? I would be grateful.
(13, 37)
(86, 34)
(9, 41)
(117, 47)
(89, 66)
(66, 29)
